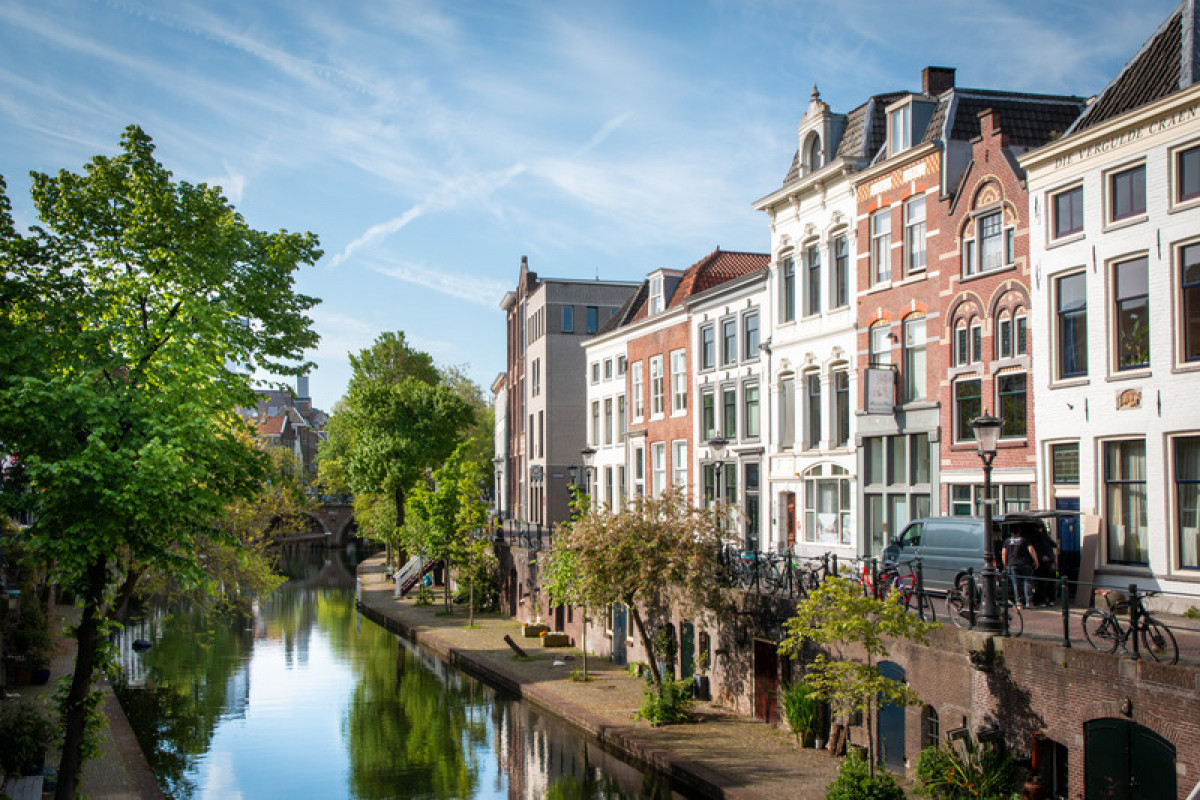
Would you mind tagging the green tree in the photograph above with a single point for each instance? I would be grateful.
(838, 613)
(122, 312)
(654, 550)
(396, 421)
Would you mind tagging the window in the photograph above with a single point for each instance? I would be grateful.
(976, 342)
(1066, 212)
(729, 412)
(608, 365)
(1189, 276)
(964, 499)
(1127, 193)
(679, 463)
(897, 486)
(788, 289)
(787, 411)
(812, 153)
(728, 342)
(841, 272)
(708, 347)
(1131, 313)
(708, 413)
(914, 235)
(899, 129)
(656, 294)
(930, 729)
(827, 505)
(595, 441)
(568, 319)
(639, 471)
(1004, 339)
(656, 386)
(841, 408)
(962, 344)
(679, 382)
(1010, 399)
(535, 370)
(595, 368)
(1017, 497)
(608, 420)
(1187, 499)
(1064, 463)
(1187, 174)
(914, 359)
(812, 410)
(881, 345)
(658, 468)
(967, 405)
(1125, 501)
(750, 336)
(541, 445)
(812, 280)
(622, 364)
(593, 319)
(635, 387)
(1071, 333)
(881, 246)
(621, 425)
(750, 410)
(992, 246)
(751, 504)
(1022, 345)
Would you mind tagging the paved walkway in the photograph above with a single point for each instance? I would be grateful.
(722, 755)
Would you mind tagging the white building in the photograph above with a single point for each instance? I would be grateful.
(1115, 246)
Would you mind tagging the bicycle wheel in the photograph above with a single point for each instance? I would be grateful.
(913, 601)
(1158, 641)
(747, 573)
(956, 609)
(1101, 629)
(772, 577)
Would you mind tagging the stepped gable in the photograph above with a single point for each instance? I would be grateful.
(1165, 64)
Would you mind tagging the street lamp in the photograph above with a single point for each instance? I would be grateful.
(717, 446)
(987, 432)
(589, 457)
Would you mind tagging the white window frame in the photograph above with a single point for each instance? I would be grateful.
(679, 382)
(658, 468)
(657, 406)
(881, 246)
(679, 462)
(914, 235)
(636, 389)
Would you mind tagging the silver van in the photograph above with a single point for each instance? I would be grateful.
(949, 546)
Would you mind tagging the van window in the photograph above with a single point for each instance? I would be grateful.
(911, 536)
(959, 535)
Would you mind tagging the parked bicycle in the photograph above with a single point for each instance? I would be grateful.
(891, 580)
(963, 608)
(1103, 629)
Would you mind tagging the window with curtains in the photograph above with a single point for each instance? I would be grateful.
(1125, 501)
(1187, 499)
(1071, 325)
(812, 280)
(914, 359)
(827, 505)
(841, 272)
(787, 289)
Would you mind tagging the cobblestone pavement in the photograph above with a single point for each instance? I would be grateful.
(725, 753)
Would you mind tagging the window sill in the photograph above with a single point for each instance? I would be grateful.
(988, 273)
(1184, 205)
(1141, 373)
(1070, 383)
(1184, 574)
(1186, 367)
(1125, 222)
(1063, 241)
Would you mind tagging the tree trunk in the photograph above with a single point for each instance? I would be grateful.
(870, 728)
(471, 603)
(650, 654)
(584, 645)
(87, 646)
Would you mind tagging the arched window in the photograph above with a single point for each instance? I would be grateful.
(1004, 335)
(827, 505)
(812, 152)
(930, 727)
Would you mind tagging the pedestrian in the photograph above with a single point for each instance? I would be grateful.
(1020, 557)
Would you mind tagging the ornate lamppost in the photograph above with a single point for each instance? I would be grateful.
(589, 458)
(987, 432)
(717, 446)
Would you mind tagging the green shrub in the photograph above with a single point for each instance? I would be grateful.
(1192, 613)
(802, 711)
(424, 595)
(855, 782)
(25, 733)
(970, 771)
(669, 702)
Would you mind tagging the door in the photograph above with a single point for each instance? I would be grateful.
(618, 633)
(766, 681)
(1068, 537)
(1127, 761)
(789, 518)
(687, 650)
(891, 724)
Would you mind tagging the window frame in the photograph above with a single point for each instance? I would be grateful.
(813, 418)
(1180, 508)
(881, 246)
(841, 407)
(913, 236)
(812, 279)
(879, 356)
(593, 319)
(751, 335)
(1112, 193)
(656, 295)
(657, 387)
(963, 432)
(1115, 488)
(708, 346)
(1003, 382)
(729, 411)
(908, 356)
(679, 381)
(840, 290)
(973, 245)
(568, 319)
(1075, 196)
(787, 288)
(637, 391)
(729, 342)
(1188, 323)
(679, 462)
(1121, 301)
(658, 468)
(1075, 317)
(751, 410)
(1192, 150)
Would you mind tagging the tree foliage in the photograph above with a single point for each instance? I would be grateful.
(643, 555)
(121, 312)
(838, 613)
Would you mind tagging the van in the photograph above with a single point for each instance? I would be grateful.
(949, 546)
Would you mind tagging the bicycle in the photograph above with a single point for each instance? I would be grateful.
(890, 582)
(964, 614)
(1103, 630)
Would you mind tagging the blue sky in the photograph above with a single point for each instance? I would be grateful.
(432, 144)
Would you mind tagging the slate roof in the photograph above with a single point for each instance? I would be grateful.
(862, 137)
(1167, 63)
(1029, 120)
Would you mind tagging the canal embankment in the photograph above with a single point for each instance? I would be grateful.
(722, 754)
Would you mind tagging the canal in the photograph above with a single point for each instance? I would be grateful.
(310, 700)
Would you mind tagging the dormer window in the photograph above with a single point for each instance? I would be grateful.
(656, 294)
(812, 153)
(900, 129)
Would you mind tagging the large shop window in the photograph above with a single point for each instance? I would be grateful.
(1125, 501)
(897, 485)
(827, 505)
(1187, 499)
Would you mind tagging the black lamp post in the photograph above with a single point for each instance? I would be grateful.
(987, 432)
(717, 446)
(589, 457)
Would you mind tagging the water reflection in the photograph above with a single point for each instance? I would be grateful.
(308, 700)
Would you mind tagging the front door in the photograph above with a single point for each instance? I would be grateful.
(618, 633)
(1127, 761)
(789, 517)
(766, 681)
(891, 724)
(1068, 538)
(687, 650)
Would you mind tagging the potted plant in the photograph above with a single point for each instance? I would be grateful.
(25, 733)
(803, 712)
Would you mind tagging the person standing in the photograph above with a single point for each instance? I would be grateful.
(1020, 557)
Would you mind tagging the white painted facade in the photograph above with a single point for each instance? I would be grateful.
(809, 413)
(607, 417)
(1130, 415)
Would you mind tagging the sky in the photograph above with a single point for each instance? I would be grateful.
(432, 144)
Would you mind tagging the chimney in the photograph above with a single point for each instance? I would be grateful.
(302, 387)
(935, 80)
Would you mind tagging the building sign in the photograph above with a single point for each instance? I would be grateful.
(535, 473)
(881, 391)
(1129, 398)
(1163, 123)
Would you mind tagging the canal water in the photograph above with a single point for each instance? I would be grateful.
(310, 700)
